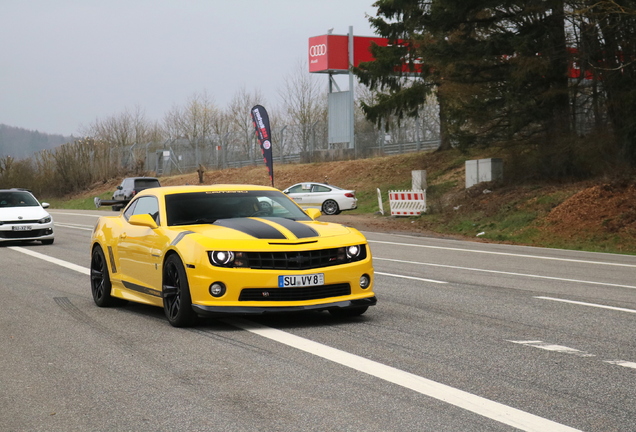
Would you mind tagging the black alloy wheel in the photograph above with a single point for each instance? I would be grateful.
(100, 279)
(177, 303)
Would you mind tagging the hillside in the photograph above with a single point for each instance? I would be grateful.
(21, 143)
(593, 215)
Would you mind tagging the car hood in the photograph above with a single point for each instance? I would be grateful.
(22, 213)
(268, 229)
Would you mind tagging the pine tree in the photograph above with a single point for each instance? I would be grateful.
(499, 68)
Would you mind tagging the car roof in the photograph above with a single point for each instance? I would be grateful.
(317, 183)
(16, 190)
(169, 190)
(141, 178)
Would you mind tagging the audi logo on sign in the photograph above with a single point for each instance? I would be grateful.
(317, 50)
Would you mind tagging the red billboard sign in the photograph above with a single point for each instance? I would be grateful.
(330, 53)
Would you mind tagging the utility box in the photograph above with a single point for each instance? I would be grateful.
(418, 180)
(483, 170)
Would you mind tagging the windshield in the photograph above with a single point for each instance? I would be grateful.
(207, 207)
(146, 183)
(17, 199)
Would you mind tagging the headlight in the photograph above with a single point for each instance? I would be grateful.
(221, 258)
(353, 251)
(228, 259)
(44, 220)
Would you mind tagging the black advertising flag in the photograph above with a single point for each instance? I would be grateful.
(264, 135)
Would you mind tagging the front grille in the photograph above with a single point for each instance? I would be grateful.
(295, 294)
(20, 222)
(23, 234)
(301, 260)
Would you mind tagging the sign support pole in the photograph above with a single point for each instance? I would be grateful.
(352, 140)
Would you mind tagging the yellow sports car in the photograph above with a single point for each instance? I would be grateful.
(227, 249)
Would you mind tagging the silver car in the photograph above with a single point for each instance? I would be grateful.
(23, 218)
(330, 199)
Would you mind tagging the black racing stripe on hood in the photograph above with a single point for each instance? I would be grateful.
(251, 227)
(298, 229)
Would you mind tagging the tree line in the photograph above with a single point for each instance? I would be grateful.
(551, 82)
(21, 143)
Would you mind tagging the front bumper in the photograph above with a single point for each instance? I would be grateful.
(259, 310)
(39, 232)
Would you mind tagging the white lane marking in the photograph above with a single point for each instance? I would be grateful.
(76, 214)
(459, 398)
(409, 277)
(75, 226)
(552, 347)
(506, 273)
(568, 350)
(59, 262)
(621, 363)
(587, 304)
(504, 253)
(468, 401)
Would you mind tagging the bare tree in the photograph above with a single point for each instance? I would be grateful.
(195, 122)
(240, 121)
(123, 130)
(304, 104)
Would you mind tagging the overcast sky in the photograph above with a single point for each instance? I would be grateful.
(66, 63)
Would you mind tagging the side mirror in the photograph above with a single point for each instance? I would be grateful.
(313, 213)
(45, 205)
(119, 187)
(143, 220)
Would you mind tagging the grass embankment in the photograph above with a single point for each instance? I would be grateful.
(593, 215)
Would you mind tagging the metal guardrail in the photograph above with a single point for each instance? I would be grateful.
(408, 147)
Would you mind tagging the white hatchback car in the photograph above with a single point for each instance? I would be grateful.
(23, 218)
(331, 200)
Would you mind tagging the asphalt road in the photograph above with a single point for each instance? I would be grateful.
(465, 337)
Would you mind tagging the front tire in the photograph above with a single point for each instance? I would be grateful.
(330, 207)
(100, 279)
(177, 303)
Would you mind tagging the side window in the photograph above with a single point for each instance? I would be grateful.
(320, 188)
(296, 189)
(144, 205)
(130, 209)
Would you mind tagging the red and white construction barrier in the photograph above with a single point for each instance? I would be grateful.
(407, 203)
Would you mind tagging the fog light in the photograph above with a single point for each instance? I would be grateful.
(217, 289)
(365, 281)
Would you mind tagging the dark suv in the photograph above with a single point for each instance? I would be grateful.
(130, 187)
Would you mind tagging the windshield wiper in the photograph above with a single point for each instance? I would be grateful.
(195, 222)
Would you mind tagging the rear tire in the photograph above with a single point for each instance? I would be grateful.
(177, 302)
(330, 207)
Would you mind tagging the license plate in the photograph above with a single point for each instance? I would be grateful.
(22, 228)
(301, 280)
